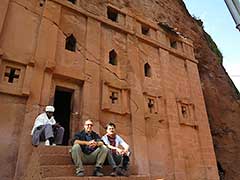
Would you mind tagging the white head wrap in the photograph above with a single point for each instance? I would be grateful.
(49, 109)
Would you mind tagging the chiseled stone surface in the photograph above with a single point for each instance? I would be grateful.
(133, 72)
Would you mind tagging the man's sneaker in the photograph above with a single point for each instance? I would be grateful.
(122, 172)
(53, 144)
(47, 143)
(80, 174)
(97, 172)
(114, 173)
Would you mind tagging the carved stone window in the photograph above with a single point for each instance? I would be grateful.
(71, 43)
(115, 99)
(186, 112)
(112, 14)
(41, 2)
(173, 43)
(154, 107)
(151, 105)
(72, 1)
(12, 78)
(145, 30)
(113, 57)
(147, 70)
(11, 74)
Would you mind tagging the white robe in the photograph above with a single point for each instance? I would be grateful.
(42, 119)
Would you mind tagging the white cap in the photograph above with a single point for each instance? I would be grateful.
(49, 109)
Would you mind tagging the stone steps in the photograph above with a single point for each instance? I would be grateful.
(54, 150)
(55, 163)
(55, 159)
(133, 177)
(69, 170)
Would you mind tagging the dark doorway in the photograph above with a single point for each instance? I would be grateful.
(62, 104)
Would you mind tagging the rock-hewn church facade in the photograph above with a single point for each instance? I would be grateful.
(118, 67)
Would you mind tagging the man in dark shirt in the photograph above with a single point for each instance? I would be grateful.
(88, 149)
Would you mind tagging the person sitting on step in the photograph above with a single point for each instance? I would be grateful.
(46, 129)
(118, 156)
(88, 148)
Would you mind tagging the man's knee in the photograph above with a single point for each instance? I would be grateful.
(76, 148)
(61, 129)
(104, 149)
(48, 126)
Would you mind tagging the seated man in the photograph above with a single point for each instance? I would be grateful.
(88, 149)
(46, 129)
(118, 156)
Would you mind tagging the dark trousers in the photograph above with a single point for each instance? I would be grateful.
(45, 132)
(116, 160)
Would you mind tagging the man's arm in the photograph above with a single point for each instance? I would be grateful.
(123, 144)
(91, 143)
(105, 140)
(81, 142)
(38, 122)
(98, 140)
(114, 148)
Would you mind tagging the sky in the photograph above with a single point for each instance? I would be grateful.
(219, 23)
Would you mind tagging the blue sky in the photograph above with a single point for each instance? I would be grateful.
(218, 22)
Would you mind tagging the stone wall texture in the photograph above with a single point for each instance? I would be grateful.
(161, 89)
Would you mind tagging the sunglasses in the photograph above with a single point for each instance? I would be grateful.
(88, 124)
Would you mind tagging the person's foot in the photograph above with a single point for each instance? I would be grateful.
(122, 172)
(97, 172)
(47, 143)
(114, 173)
(80, 174)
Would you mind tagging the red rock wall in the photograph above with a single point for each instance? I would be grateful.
(37, 48)
(12, 112)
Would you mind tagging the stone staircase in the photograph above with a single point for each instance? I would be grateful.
(54, 163)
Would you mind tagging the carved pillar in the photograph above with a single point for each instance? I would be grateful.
(137, 110)
(43, 59)
(172, 114)
(204, 134)
(3, 12)
(91, 87)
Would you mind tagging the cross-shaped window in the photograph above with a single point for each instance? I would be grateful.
(12, 74)
(184, 111)
(150, 105)
(114, 97)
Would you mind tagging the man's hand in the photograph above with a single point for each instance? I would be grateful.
(122, 151)
(57, 125)
(92, 143)
(39, 127)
